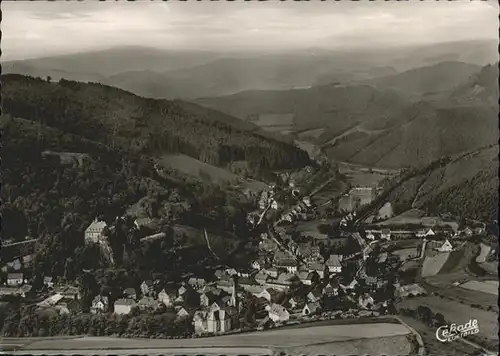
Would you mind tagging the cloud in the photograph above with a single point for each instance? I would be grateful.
(45, 28)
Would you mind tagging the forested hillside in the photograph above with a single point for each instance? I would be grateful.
(153, 127)
(466, 186)
(73, 152)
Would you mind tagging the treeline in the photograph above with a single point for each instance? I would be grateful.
(121, 119)
(29, 322)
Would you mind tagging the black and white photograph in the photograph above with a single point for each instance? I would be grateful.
(249, 177)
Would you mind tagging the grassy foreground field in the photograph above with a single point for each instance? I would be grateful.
(456, 312)
(387, 338)
(490, 287)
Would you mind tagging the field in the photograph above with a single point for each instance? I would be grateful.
(391, 345)
(455, 261)
(417, 217)
(196, 168)
(490, 287)
(433, 265)
(360, 177)
(313, 133)
(456, 312)
(275, 120)
(348, 335)
(432, 345)
(491, 267)
(405, 254)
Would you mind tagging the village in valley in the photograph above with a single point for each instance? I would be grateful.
(309, 262)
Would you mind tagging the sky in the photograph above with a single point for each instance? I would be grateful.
(41, 28)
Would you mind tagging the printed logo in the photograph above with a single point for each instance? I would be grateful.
(447, 333)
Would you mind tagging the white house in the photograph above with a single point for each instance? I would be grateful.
(274, 205)
(15, 279)
(99, 304)
(307, 201)
(166, 298)
(385, 234)
(124, 306)
(256, 265)
(370, 236)
(333, 264)
(446, 247)
(425, 233)
(277, 313)
(311, 308)
(94, 233)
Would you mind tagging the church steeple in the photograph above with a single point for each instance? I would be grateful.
(234, 294)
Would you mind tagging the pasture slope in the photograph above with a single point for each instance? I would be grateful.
(383, 337)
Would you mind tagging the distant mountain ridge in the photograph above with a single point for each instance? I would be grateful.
(379, 127)
(171, 74)
(428, 80)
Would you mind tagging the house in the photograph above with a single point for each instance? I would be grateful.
(68, 307)
(197, 283)
(48, 281)
(274, 205)
(314, 296)
(70, 292)
(446, 247)
(147, 303)
(277, 313)
(385, 234)
(286, 279)
(425, 233)
(130, 293)
(143, 222)
(333, 263)
(15, 265)
(308, 278)
(124, 306)
(289, 264)
(100, 304)
(51, 301)
(15, 279)
(269, 294)
(246, 283)
(208, 298)
(331, 289)
(147, 287)
(273, 272)
(318, 268)
(307, 201)
(256, 265)
(219, 273)
(366, 301)
(311, 309)
(295, 303)
(166, 298)
(95, 232)
(184, 312)
(200, 322)
(370, 236)
(226, 284)
(219, 320)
